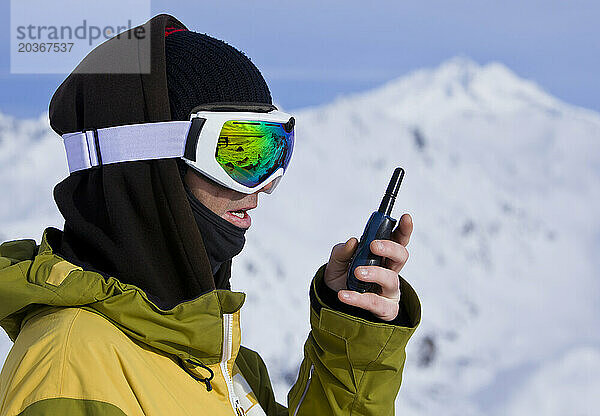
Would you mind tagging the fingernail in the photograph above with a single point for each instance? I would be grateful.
(345, 295)
(379, 246)
(363, 272)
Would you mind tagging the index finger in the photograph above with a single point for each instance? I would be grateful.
(403, 231)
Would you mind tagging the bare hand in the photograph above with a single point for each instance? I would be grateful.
(385, 303)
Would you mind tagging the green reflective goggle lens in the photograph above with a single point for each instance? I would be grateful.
(250, 151)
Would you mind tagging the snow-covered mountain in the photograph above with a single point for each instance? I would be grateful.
(502, 181)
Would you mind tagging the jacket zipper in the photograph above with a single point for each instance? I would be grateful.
(227, 347)
(312, 367)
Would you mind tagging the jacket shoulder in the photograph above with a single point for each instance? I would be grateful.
(63, 354)
(17, 250)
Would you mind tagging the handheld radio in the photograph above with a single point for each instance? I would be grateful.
(379, 227)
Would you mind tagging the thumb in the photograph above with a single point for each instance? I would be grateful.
(341, 255)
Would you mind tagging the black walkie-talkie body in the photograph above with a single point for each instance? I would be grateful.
(379, 227)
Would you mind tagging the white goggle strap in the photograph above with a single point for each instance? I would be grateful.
(132, 142)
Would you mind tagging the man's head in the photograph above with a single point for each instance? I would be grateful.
(200, 70)
(134, 220)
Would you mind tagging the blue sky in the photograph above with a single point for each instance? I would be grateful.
(312, 51)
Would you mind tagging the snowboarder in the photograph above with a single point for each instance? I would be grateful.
(128, 310)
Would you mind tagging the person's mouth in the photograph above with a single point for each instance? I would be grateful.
(240, 217)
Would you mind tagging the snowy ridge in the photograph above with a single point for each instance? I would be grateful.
(502, 183)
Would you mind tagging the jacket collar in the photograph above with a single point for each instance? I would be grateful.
(191, 330)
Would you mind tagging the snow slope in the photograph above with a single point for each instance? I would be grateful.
(503, 185)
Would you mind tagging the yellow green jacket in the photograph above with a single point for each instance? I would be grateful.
(88, 345)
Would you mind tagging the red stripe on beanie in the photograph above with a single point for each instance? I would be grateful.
(169, 30)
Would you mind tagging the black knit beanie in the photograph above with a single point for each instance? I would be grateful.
(202, 69)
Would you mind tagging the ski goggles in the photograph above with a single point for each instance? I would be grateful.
(242, 147)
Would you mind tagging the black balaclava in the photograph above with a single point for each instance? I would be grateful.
(222, 239)
(133, 220)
